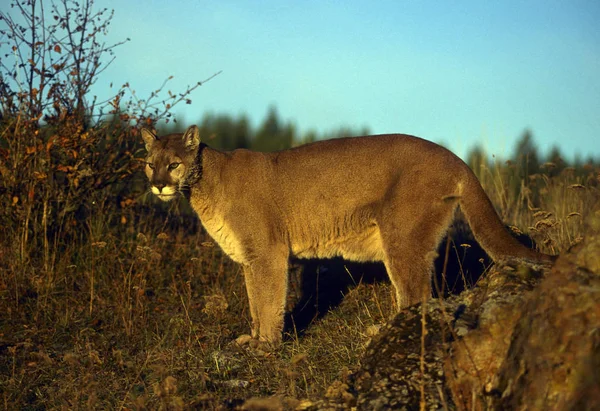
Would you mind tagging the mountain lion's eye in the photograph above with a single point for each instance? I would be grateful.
(173, 166)
(151, 166)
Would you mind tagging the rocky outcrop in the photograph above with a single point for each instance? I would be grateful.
(553, 361)
(520, 339)
(404, 365)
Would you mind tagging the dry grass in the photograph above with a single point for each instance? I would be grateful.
(132, 310)
(549, 206)
(148, 319)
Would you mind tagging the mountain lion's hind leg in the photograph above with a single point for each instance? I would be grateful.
(410, 272)
(266, 284)
(410, 238)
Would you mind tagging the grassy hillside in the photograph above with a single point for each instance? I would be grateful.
(112, 300)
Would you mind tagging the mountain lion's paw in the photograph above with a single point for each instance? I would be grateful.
(243, 339)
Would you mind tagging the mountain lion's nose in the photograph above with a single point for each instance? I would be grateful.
(159, 186)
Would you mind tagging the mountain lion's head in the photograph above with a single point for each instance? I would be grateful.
(170, 160)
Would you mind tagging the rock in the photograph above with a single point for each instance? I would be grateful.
(234, 383)
(554, 358)
(263, 404)
(400, 368)
(483, 328)
(373, 330)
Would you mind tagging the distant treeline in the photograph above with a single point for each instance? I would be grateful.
(528, 159)
(227, 132)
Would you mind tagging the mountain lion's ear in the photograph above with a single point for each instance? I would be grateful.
(191, 138)
(149, 138)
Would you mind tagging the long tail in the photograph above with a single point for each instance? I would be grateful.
(489, 230)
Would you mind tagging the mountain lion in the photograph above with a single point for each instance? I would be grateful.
(383, 198)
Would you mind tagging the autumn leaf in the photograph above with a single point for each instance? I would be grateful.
(64, 169)
(57, 48)
(50, 143)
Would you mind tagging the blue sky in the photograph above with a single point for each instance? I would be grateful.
(451, 72)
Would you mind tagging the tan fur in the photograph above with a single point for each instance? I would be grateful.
(383, 198)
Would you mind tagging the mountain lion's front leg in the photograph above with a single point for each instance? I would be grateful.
(266, 284)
